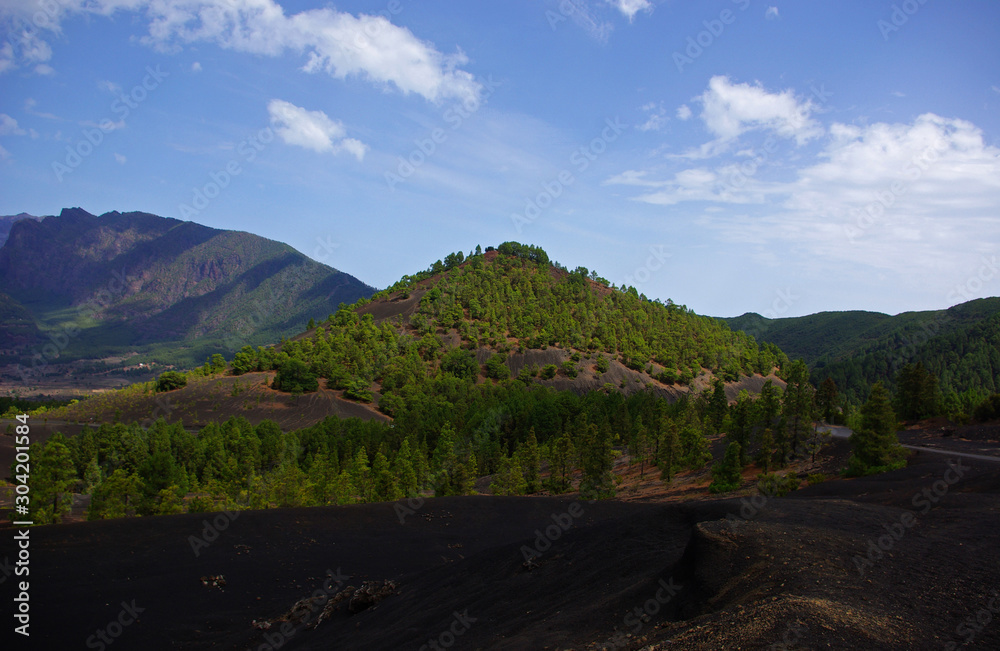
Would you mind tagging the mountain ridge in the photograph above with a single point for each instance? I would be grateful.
(132, 280)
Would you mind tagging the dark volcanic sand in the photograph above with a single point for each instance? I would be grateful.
(786, 575)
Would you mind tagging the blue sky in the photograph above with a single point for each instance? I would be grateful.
(775, 157)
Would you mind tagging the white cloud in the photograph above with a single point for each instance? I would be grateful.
(120, 158)
(7, 57)
(683, 112)
(918, 200)
(657, 118)
(771, 13)
(338, 43)
(721, 185)
(8, 126)
(4, 154)
(729, 110)
(584, 17)
(630, 8)
(109, 86)
(312, 130)
(196, 67)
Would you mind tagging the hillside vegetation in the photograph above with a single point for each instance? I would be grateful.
(435, 354)
(960, 346)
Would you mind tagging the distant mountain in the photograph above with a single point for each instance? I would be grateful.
(7, 221)
(107, 285)
(960, 345)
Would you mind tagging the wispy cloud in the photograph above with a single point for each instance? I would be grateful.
(630, 8)
(656, 118)
(771, 13)
(8, 126)
(312, 130)
(334, 42)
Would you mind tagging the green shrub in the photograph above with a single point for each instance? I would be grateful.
(989, 409)
(357, 389)
(776, 485)
(460, 363)
(496, 368)
(170, 380)
(549, 371)
(295, 376)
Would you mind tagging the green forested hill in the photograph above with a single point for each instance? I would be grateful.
(447, 355)
(514, 300)
(960, 345)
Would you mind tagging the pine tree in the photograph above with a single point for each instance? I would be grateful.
(530, 460)
(717, 406)
(669, 449)
(52, 479)
(875, 446)
(509, 480)
(402, 466)
(799, 405)
(727, 474)
(741, 424)
(360, 472)
(596, 459)
(563, 452)
(385, 486)
(827, 399)
(116, 497)
(694, 447)
(766, 452)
